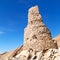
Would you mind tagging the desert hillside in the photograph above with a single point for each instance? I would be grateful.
(57, 38)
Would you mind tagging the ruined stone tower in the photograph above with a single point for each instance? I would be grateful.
(36, 35)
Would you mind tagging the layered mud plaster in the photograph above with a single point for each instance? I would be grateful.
(36, 35)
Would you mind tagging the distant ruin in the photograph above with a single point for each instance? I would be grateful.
(36, 35)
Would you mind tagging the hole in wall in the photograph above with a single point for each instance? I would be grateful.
(34, 37)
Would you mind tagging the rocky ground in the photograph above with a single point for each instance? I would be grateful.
(51, 54)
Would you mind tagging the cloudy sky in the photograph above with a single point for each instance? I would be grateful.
(13, 20)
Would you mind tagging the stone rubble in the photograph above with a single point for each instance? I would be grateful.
(51, 54)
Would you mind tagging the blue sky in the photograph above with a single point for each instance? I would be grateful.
(13, 20)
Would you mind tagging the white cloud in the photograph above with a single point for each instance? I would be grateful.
(1, 32)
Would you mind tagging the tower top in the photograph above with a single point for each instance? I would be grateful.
(33, 14)
(34, 9)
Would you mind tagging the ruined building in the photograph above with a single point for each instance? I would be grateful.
(36, 35)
